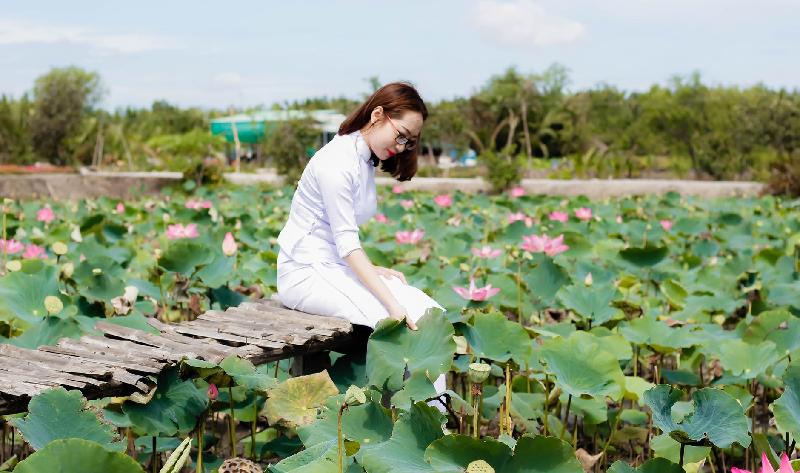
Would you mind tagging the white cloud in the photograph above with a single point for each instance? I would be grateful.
(523, 23)
(22, 32)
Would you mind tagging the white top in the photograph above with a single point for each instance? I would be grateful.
(335, 194)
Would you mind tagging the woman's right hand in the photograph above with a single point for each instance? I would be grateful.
(399, 312)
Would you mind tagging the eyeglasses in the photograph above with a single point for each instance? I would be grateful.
(402, 139)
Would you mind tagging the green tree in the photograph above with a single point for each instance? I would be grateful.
(62, 98)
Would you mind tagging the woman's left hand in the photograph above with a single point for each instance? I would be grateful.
(390, 273)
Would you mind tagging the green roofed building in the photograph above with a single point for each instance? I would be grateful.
(253, 127)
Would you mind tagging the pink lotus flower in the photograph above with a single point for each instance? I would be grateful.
(178, 231)
(11, 247)
(766, 466)
(557, 216)
(517, 191)
(486, 252)
(33, 251)
(381, 218)
(398, 189)
(583, 213)
(409, 238)
(666, 225)
(514, 217)
(45, 214)
(228, 245)
(197, 204)
(476, 293)
(407, 204)
(619, 218)
(120, 208)
(443, 200)
(544, 244)
(213, 392)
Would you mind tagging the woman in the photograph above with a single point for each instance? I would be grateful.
(322, 268)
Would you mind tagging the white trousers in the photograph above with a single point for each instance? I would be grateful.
(333, 289)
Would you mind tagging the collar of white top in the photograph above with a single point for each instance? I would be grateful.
(362, 148)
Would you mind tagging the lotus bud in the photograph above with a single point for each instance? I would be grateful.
(76, 234)
(354, 396)
(479, 466)
(588, 280)
(479, 372)
(213, 392)
(67, 269)
(53, 305)
(59, 248)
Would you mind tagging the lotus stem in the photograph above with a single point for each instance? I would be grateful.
(231, 422)
(200, 428)
(154, 456)
(340, 439)
(253, 429)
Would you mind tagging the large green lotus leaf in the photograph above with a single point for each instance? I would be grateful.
(656, 465)
(321, 458)
(543, 454)
(613, 342)
(743, 359)
(393, 346)
(77, 456)
(368, 424)
(404, 451)
(787, 407)
(184, 256)
(778, 326)
(592, 303)
(136, 321)
(47, 331)
(296, 401)
(173, 409)
(645, 256)
(22, 294)
(657, 334)
(60, 414)
(218, 272)
(582, 366)
(545, 279)
(666, 447)
(592, 411)
(245, 374)
(787, 294)
(674, 292)
(717, 415)
(452, 454)
(100, 278)
(494, 337)
(416, 388)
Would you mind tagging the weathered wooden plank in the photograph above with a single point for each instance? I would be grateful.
(100, 358)
(238, 324)
(192, 347)
(119, 349)
(35, 371)
(271, 307)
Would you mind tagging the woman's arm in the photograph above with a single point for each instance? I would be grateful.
(362, 266)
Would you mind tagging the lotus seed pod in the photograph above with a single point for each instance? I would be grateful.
(354, 396)
(479, 372)
(59, 248)
(13, 265)
(479, 466)
(53, 305)
(239, 465)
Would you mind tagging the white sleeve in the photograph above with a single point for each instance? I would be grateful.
(337, 185)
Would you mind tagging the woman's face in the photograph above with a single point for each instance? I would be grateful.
(381, 136)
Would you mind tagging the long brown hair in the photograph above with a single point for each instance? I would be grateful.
(395, 98)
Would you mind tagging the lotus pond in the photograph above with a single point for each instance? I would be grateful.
(647, 334)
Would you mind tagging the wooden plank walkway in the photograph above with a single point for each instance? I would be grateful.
(119, 362)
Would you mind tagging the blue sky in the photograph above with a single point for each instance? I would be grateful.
(244, 53)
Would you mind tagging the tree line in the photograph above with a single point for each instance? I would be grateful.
(514, 121)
